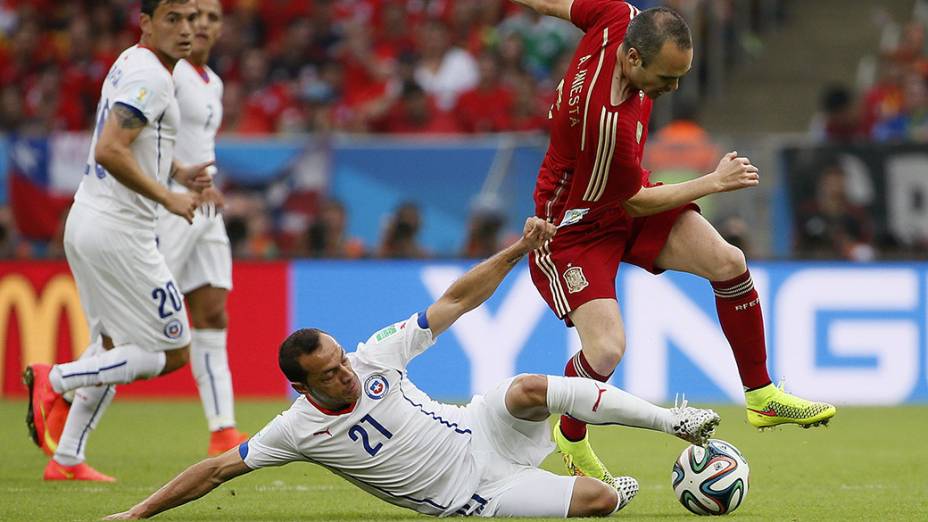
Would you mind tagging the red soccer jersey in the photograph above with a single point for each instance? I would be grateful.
(594, 156)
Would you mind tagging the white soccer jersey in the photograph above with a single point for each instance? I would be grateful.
(199, 96)
(140, 81)
(395, 442)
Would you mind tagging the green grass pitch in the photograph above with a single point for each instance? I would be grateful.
(870, 464)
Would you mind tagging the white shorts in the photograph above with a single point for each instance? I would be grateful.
(199, 254)
(126, 289)
(509, 451)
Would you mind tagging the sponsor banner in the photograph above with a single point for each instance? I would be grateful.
(853, 334)
(849, 333)
(847, 200)
(41, 321)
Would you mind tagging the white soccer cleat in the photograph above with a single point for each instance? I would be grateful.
(694, 425)
(627, 488)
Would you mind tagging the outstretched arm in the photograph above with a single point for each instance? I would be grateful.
(733, 173)
(558, 8)
(479, 283)
(193, 483)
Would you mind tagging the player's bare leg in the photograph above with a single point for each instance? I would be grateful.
(602, 333)
(209, 364)
(602, 337)
(694, 246)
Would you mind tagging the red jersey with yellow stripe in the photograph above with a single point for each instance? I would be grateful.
(594, 157)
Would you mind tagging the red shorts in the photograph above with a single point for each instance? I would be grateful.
(581, 262)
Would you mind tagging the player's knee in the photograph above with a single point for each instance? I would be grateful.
(175, 359)
(529, 390)
(209, 315)
(215, 318)
(730, 263)
(527, 397)
(606, 354)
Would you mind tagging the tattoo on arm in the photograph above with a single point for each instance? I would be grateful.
(127, 118)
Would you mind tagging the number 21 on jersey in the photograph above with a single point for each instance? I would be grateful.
(359, 431)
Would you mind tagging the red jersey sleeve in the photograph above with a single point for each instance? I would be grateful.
(590, 14)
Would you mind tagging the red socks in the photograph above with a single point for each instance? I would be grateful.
(743, 324)
(578, 366)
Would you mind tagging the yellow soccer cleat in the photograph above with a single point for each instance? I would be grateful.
(580, 459)
(771, 406)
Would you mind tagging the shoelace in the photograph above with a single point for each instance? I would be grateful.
(679, 401)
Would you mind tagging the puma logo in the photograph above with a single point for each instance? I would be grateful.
(599, 397)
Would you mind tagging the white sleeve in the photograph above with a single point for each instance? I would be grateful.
(395, 345)
(272, 446)
(147, 90)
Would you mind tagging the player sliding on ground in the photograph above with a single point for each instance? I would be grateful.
(592, 184)
(361, 417)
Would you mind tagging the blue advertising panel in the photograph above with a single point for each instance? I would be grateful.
(852, 334)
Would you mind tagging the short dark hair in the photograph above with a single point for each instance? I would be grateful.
(301, 342)
(648, 31)
(149, 6)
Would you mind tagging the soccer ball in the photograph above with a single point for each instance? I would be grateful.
(711, 480)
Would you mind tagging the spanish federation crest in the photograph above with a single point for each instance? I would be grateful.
(575, 279)
(376, 386)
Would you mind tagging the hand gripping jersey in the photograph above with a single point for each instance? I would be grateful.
(199, 96)
(395, 442)
(593, 160)
(138, 80)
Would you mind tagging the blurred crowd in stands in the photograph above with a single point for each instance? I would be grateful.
(838, 217)
(409, 66)
(418, 67)
(296, 66)
(890, 102)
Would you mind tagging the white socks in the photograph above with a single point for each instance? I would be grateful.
(86, 409)
(209, 364)
(594, 402)
(121, 365)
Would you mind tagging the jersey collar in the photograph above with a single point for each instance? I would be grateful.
(323, 409)
(158, 56)
(201, 70)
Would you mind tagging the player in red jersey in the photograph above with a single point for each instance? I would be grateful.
(592, 184)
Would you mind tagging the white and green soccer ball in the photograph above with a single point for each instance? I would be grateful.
(711, 480)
